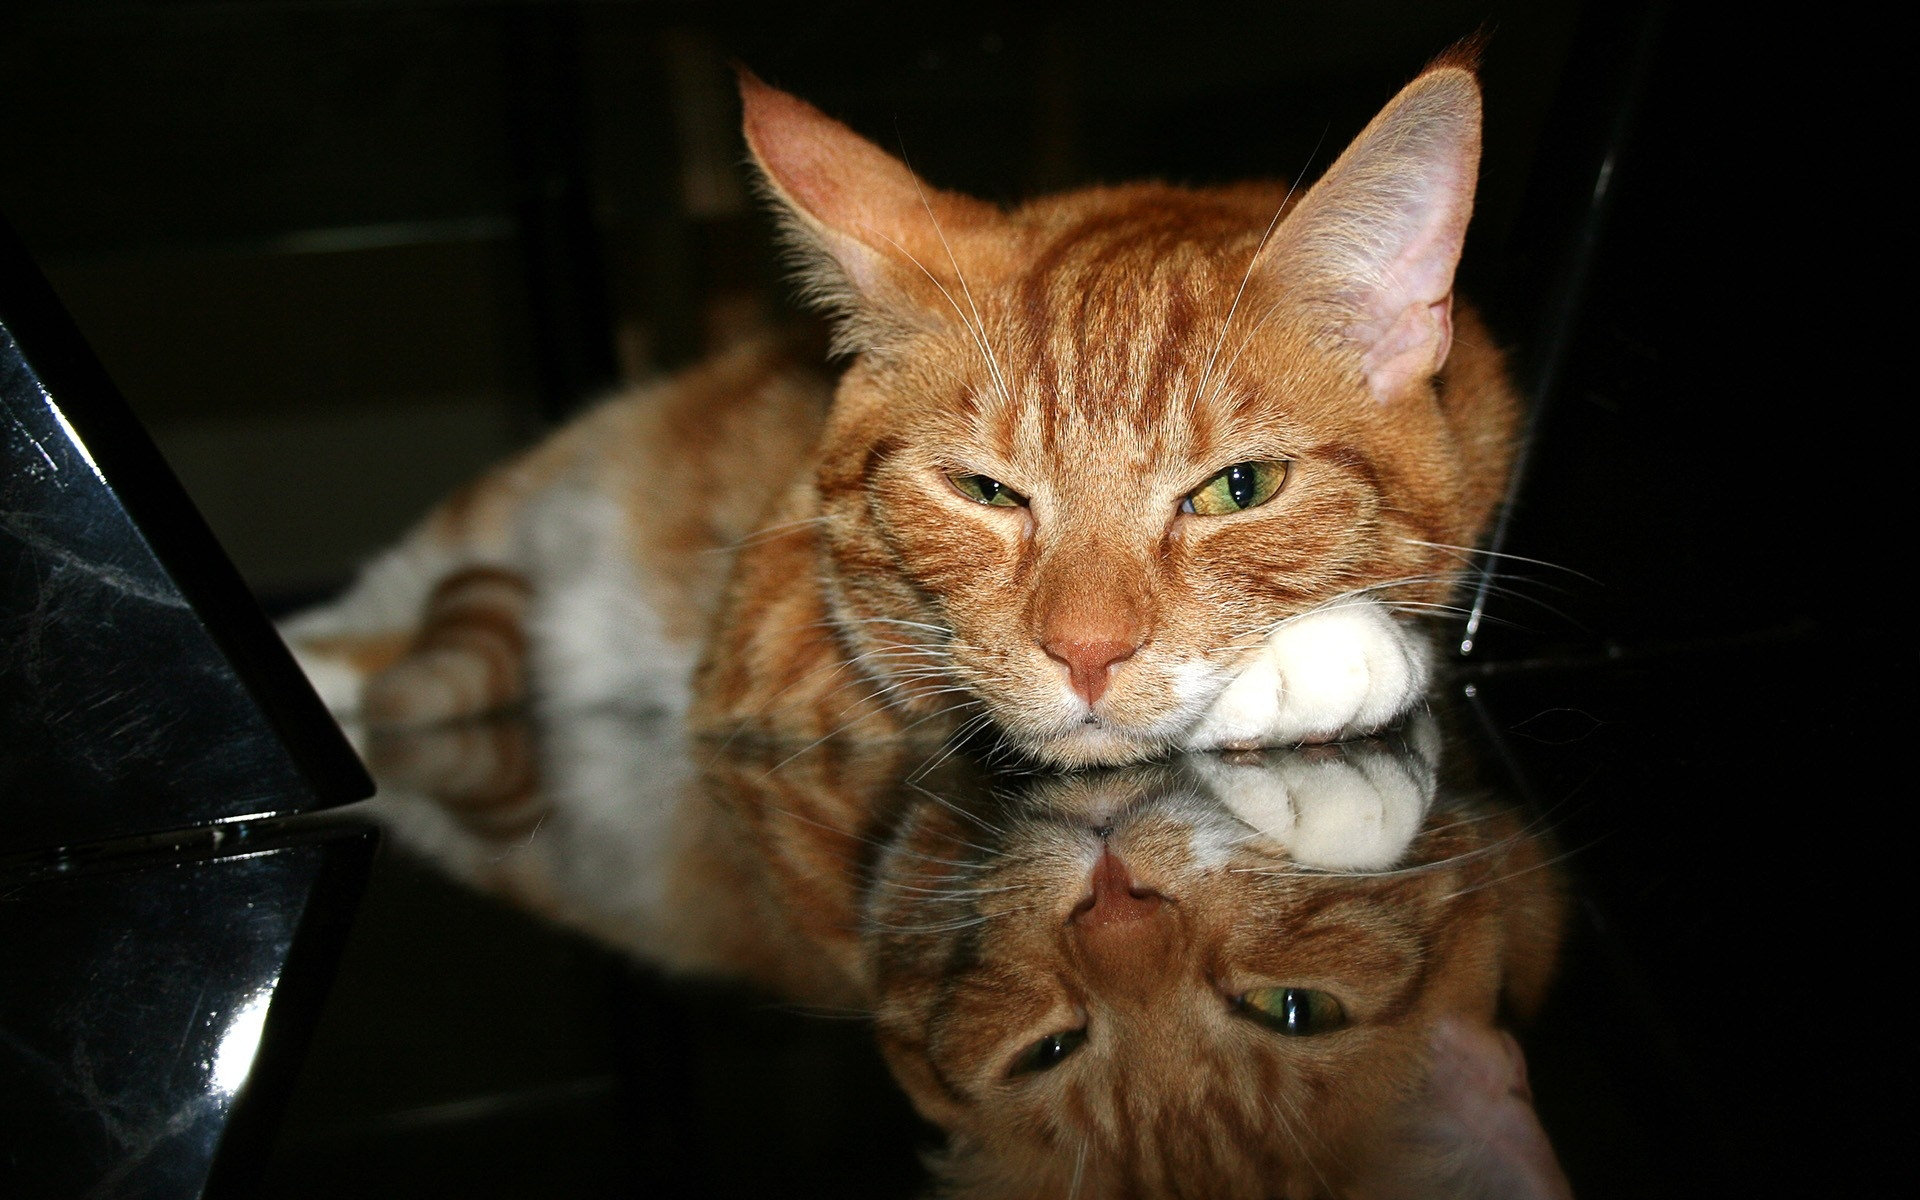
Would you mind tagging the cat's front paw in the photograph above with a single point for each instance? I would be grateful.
(1336, 672)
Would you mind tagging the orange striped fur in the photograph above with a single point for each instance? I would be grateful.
(468, 658)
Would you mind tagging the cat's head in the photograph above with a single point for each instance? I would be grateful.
(1091, 450)
(1117, 978)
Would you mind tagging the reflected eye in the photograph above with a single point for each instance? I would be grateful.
(983, 490)
(1047, 1053)
(1295, 1012)
(1242, 485)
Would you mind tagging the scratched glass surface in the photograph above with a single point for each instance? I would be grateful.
(119, 712)
(143, 1007)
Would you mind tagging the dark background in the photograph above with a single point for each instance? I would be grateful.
(341, 255)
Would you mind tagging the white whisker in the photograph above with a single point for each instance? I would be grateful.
(1200, 389)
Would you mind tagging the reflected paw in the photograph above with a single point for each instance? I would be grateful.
(1347, 808)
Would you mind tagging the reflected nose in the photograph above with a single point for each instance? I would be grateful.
(1116, 900)
(1089, 663)
(1119, 935)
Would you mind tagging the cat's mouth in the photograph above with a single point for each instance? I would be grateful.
(1144, 719)
(1095, 740)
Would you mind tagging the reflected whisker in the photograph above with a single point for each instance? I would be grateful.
(954, 893)
(949, 926)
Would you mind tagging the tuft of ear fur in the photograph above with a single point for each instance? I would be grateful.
(872, 243)
(1377, 239)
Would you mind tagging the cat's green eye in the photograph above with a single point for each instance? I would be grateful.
(1047, 1053)
(983, 490)
(1240, 486)
(1295, 1012)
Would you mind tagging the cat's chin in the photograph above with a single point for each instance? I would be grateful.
(1093, 744)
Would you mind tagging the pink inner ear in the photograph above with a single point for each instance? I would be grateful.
(1480, 1096)
(1405, 327)
(829, 173)
(888, 234)
(1380, 234)
(1410, 349)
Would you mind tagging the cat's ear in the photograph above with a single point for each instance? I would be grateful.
(1532, 902)
(931, 1096)
(1377, 239)
(874, 242)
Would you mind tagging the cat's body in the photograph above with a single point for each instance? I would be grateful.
(620, 545)
(1125, 470)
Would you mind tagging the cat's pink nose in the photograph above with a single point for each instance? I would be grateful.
(1089, 663)
(1116, 898)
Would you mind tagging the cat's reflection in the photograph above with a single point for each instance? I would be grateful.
(1275, 973)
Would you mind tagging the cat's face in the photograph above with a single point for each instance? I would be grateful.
(1102, 431)
(1118, 980)
(1092, 451)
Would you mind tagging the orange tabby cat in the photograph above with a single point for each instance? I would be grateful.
(1119, 471)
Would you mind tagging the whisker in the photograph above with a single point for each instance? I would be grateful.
(1200, 390)
(952, 926)
(1079, 1168)
(964, 814)
(767, 533)
(954, 893)
(891, 621)
(1307, 1127)
(824, 1012)
(978, 335)
(1471, 552)
(993, 364)
(953, 742)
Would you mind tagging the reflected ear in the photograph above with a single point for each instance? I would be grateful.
(1377, 239)
(873, 242)
(1533, 922)
(1523, 926)
(923, 1086)
(1472, 1133)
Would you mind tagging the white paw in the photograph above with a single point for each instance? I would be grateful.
(1348, 808)
(1333, 673)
